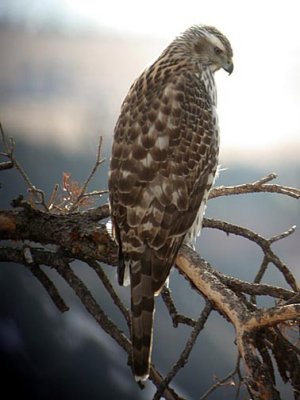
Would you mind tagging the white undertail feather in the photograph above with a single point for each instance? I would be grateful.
(126, 280)
(109, 228)
(142, 378)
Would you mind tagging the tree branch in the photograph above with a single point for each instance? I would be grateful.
(246, 322)
(37, 257)
(264, 244)
(255, 187)
(81, 235)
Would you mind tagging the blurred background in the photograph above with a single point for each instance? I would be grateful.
(65, 67)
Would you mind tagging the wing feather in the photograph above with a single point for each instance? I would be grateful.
(159, 167)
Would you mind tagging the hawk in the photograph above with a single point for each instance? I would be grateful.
(163, 163)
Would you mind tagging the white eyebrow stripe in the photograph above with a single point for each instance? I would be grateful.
(217, 42)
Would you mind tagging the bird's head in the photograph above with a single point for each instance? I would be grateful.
(208, 46)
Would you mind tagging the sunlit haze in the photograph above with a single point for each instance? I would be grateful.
(258, 104)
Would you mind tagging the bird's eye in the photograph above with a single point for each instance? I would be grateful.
(218, 51)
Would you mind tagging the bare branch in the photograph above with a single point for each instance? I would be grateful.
(264, 244)
(255, 288)
(92, 306)
(6, 165)
(78, 235)
(96, 193)
(257, 186)
(53, 197)
(272, 316)
(283, 235)
(169, 393)
(108, 286)
(49, 287)
(227, 380)
(9, 149)
(262, 270)
(176, 318)
(259, 382)
(83, 193)
(186, 351)
(33, 261)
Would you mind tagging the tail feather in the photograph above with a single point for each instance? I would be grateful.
(142, 333)
(142, 307)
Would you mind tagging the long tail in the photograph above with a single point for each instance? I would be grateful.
(142, 307)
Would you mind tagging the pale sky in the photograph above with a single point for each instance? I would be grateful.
(259, 104)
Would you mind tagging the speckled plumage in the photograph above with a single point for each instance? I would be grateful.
(164, 159)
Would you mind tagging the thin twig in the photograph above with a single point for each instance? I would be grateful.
(262, 270)
(282, 235)
(169, 393)
(176, 318)
(92, 306)
(224, 381)
(6, 165)
(287, 342)
(40, 196)
(266, 179)
(32, 258)
(49, 287)
(293, 299)
(182, 360)
(255, 288)
(98, 162)
(108, 286)
(257, 186)
(94, 193)
(263, 243)
(258, 277)
(53, 196)
(9, 148)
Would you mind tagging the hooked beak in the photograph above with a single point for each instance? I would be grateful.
(228, 67)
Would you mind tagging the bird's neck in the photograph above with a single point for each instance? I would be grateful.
(174, 60)
(207, 76)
